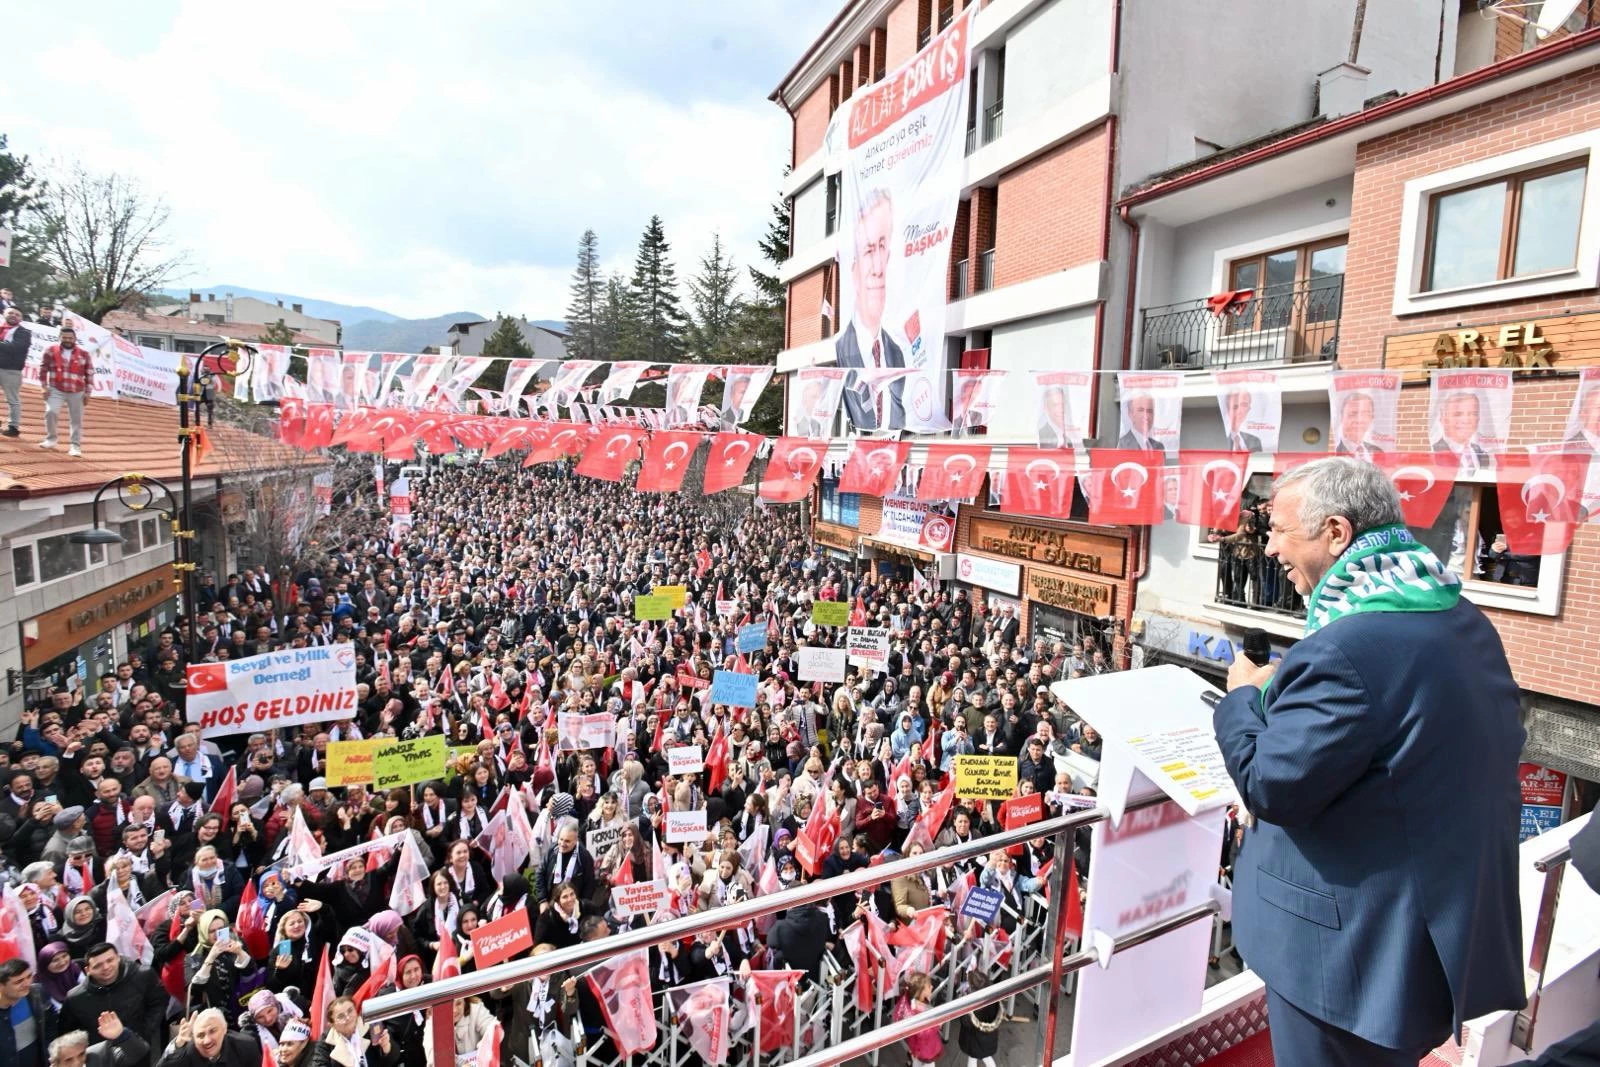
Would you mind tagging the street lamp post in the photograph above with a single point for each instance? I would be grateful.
(137, 492)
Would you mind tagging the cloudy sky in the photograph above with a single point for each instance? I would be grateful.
(420, 158)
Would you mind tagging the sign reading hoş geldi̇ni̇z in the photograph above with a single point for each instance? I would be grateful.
(901, 176)
(273, 690)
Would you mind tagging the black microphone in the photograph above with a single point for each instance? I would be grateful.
(1257, 647)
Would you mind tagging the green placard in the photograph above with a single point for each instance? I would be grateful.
(408, 762)
(652, 607)
(830, 613)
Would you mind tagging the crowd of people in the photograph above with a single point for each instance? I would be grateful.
(506, 602)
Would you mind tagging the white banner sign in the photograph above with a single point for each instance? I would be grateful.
(273, 690)
(1469, 415)
(333, 860)
(637, 898)
(600, 840)
(904, 157)
(917, 523)
(727, 608)
(686, 827)
(146, 374)
(820, 664)
(585, 731)
(868, 646)
(685, 759)
(994, 574)
(102, 357)
(1061, 418)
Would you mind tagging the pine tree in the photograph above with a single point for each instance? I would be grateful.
(653, 293)
(715, 295)
(757, 332)
(277, 334)
(588, 295)
(29, 277)
(615, 328)
(507, 342)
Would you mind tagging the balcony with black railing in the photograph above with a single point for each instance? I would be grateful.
(1249, 578)
(1293, 323)
(961, 279)
(994, 120)
(986, 270)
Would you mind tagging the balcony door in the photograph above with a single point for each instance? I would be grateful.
(1298, 290)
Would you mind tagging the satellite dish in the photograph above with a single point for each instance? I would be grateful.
(1552, 15)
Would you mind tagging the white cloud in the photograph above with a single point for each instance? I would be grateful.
(418, 157)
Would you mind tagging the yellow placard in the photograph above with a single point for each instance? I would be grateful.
(986, 777)
(651, 607)
(408, 762)
(350, 762)
(678, 594)
(830, 613)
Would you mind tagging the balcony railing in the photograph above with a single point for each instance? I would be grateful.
(993, 120)
(1295, 323)
(924, 37)
(986, 270)
(972, 139)
(1249, 578)
(830, 222)
(961, 278)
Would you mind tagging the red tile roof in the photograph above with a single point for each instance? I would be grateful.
(132, 324)
(125, 436)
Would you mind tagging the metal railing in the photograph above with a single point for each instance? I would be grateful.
(1249, 578)
(438, 996)
(994, 120)
(986, 270)
(924, 36)
(961, 278)
(972, 139)
(1281, 323)
(1552, 865)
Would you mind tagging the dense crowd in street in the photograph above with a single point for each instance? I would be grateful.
(507, 602)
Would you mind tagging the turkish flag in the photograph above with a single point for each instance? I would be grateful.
(249, 920)
(223, 801)
(319, 426)
(1211, 487)
(1039, 481)
(434, 431)
(475, 432)
(666, 460)
(381, 430)
(728, 461)
(953, 472)
(564, 439)
(1125, 487)
(351, 424)
(873, 466)
(206, 678)
(291, 420)
(608, 453)
(514, 434)
(774, 992)
(793, 467)
(1541, 500)
(1423, 482)
(322, 995)
(717, 762)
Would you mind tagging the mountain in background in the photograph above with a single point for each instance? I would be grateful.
(317, 309)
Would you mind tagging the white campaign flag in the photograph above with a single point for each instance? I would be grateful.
(410, 889)
(122, 926)
(622, 379)
(904, 157)
(704, 1010)
(1152, 411)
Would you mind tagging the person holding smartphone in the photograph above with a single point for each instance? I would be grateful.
(220, 967)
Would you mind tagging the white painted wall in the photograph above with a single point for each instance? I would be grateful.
(810, 214)
(1232, 73)
(1060, 48)
(1063, 341)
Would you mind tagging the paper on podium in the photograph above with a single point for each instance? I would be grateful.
(1156, 729)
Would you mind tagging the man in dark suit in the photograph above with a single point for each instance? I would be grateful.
(1376, 892)
(1356, 416)
(1235, 410)
(1139, 416)
(1055, 414)
(865, 343)
(1458, 432)
(14, 342)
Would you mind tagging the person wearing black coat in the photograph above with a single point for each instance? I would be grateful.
(111, 983)
(204, 1040)
(569, 861)
(800, 938)
(356, 897)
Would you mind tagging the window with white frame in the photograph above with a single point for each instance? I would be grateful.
(52, 558)
(1525, 224)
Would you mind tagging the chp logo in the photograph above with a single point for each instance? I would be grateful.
(937, 532)
(207, 678)
(964, 568)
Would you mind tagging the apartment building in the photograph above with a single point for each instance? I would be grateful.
(325, 333)
(1069, 101)
(1458, 225)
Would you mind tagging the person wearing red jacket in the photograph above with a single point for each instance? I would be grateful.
(66, 373)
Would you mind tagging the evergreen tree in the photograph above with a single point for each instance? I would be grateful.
(714, 293)
(29, 278)
(655, 314)
(277, 334)
(588, 297)
(507, 342)
(615, 329)
(757, 332)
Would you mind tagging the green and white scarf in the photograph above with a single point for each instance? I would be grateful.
(1384, 569)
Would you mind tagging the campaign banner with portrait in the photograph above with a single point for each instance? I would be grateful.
(1152, 411)
(978, 395)
(1469, 414)
(904, 155)
(1062, 403)
(814, 400)
(927, 525)
(684, 386)
(1583, 423)
(741, 388)
(1363, 407)
(1251, 402)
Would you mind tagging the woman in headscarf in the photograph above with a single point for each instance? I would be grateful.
(58, 973)
(216, 885)
(352, 963)
(296, 953)
(407, 1029)
(391, 929)
(219, 970)
(432, 817)
(82, 925)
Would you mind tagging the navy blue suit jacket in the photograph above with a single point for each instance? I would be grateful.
(1377, 890)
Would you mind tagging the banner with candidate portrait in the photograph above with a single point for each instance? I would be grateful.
(685, 383)
(1062, 399)
(1583, 423)
(905, 142)
(814, 399)
(1469, 415)
(1363, 407)
(977, 397)
(741, 388)
(1251, 402)
(1152, 411)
